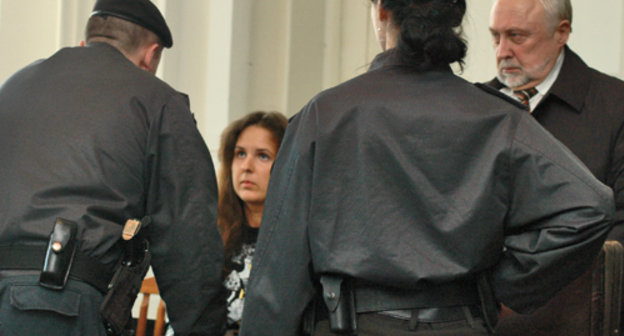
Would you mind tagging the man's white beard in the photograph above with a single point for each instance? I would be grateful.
(514, 80)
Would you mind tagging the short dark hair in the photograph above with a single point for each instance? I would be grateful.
(125, 35)
(430, 31)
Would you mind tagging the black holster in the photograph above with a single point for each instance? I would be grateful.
(60, 254)
(125, 286)
(339, 297)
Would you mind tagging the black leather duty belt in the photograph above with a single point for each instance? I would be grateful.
(441, 303)
(433, 315)
(372, 298)
(84, 268)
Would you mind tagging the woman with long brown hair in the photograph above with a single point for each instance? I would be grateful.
(248, 148)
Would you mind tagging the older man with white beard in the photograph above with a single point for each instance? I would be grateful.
(580, 106)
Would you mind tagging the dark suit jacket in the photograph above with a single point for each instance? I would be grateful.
(584, 109)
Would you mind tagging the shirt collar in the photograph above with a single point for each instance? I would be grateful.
(543, 87)
(547, 83)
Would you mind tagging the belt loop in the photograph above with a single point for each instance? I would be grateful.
(468, 316)
(413, 322)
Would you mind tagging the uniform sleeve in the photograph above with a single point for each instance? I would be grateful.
(187, 251)
(558, 219)
(616, 180)
(280, 286)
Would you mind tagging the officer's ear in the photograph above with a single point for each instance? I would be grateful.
(150, 57)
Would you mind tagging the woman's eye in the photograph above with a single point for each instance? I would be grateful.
(240, 154)
(264, 156)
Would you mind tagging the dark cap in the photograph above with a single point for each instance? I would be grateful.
(142, 12)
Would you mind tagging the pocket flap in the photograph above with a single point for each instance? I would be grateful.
(35, 297)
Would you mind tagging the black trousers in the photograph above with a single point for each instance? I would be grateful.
(373, 324)
(29, 309)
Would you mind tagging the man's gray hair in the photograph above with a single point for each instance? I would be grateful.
(557, 11)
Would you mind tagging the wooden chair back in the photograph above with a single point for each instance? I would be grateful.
(148, 288)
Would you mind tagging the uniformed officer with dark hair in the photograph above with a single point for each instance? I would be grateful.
(407, 201)
(90, 138)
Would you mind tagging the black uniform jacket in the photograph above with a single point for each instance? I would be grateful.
(413, 180)
(88, 136)
(584, 110)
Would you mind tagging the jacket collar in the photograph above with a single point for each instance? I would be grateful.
(391, 58)
(572, 84)
(383, 59)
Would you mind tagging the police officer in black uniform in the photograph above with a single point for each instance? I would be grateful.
(407, 201)
(90, 138)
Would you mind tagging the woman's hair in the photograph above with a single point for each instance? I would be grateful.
(231, 218)
(430, 31)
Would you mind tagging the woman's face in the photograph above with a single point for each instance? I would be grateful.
(254, 154)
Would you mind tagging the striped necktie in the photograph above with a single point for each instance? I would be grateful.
(525, 95)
